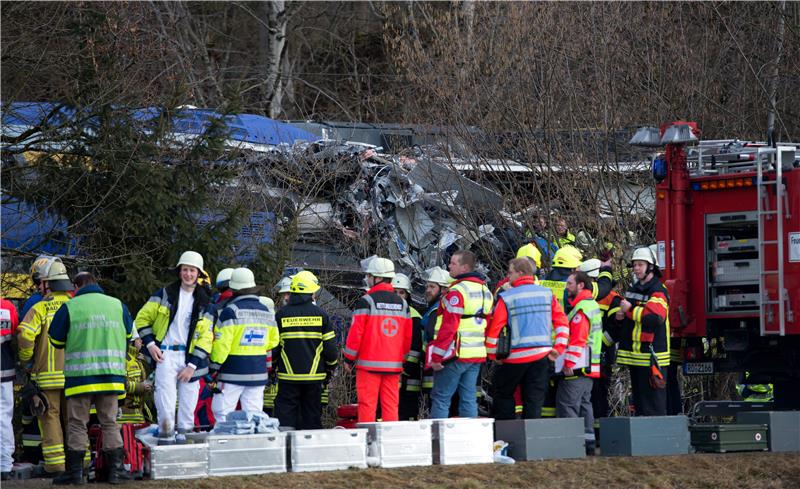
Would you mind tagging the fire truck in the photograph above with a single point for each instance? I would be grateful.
(728, 241)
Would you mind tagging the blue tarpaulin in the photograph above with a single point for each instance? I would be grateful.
(249, 128)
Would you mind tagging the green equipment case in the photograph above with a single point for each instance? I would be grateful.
(721, 438)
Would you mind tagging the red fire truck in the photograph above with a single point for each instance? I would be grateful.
(728, 237)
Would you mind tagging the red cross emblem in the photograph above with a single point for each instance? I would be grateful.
(389, 327)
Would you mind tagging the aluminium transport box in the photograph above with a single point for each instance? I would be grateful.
(644, 435)
(260, 453)
(463, 441)
(400, 443)
(542, 439)
(784, 428)
(188, 461)
(335, 449)
(722, 438)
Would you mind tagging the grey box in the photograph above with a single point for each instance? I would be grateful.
(174, 461)
(644, 435)
(784, 428)
(246, 454)
(542, 439)
(336, 449)
(400, 443)
(463, 441)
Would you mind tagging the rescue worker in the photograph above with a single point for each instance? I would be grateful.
(566, 259)
(437, 283)
(563, 236)
(601, 275)
(581, 360)
(94, 330)
(132, 408)
(284, 287)
(377, 343)
(305, 357)
(458, 350)
(411, 378)
(224, 292)
(45, 363)
(8, 325)
(531, 314)
(243, 334)
(645, 329)
(175, 327)
(38, 271)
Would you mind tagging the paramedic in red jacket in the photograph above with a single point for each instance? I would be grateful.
(377, 343)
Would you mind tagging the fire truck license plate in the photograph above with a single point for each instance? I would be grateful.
(698, 368)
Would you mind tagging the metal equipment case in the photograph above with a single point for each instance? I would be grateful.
(783, 433)
(542, 439)
(644, 435)
(400, 443)
(721, 438)
(174, 461)
(246, 454)
(463, 441)
(336, 449)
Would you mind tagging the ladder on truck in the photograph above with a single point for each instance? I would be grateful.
(769, 324)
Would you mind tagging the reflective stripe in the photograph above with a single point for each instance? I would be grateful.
(94, 353)
(226, 377)
(535, 339)
(8, 372)
(351, 352)
(607, 339)
(314, 335)
(491, 341)
(528, 352)
(95, 366)
(376, 364)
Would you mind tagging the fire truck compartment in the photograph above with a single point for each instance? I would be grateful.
(732, 262)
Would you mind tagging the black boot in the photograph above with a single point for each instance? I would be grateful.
(74, 473)
(116, 473)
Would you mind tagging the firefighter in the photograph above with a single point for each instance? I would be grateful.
(377, 343)
(8, 324)
(132, 408)
(411, 379)
(243, 334)
(566, 259)
(45, 363)
(436, 285)
(531, 315)
(563, 236)
(175, 327)
(644, 337)
(581, 361)
(305, 356)
(94, 330)
(458, 350)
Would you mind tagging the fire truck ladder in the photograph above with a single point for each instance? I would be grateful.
(776, 156)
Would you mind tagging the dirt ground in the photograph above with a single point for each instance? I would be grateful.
(706, 471)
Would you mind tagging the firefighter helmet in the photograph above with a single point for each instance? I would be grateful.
(242, 278)
(380, 267)
(41, 265)
(224, 277)
(192, 259)
(591, 267)
(401, 281)
(646, 254)
(567, 256)
(439, 276)
(304, 282)
(57, 278)
(531, 251)
(283, 285)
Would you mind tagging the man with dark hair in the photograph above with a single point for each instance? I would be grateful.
(581, 361)
(529, 312)
(458, 349)
(94, 330)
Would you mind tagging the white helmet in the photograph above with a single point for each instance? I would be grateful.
(654, 250)
(223, 277)
(266, 301)
(401, 281)
(644, 254)
(242, 278)
(380, 267)
(439, 276)
(191, 258)
(57, 278)
(591, 267)
(283, 285)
